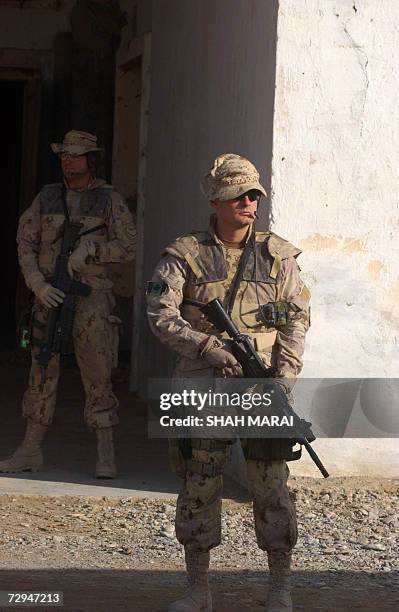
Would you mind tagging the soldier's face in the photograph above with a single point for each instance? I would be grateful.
(239, 212)
(74, 165)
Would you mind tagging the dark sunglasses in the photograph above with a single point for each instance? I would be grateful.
(68, 156)
(253, 195)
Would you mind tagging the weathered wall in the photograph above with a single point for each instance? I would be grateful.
(334, 185)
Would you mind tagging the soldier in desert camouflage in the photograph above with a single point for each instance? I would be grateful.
(202, 265)
(97, 206)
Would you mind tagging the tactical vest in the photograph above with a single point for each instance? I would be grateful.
(93, 211)
(208, 279)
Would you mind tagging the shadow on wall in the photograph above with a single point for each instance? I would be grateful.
(212, 92)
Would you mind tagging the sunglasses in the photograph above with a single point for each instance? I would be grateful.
(68, 156)
(253, 195)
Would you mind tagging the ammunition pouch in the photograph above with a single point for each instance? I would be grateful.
(270, 449)
(275, 314)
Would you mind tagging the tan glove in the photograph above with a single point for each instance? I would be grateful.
(218, 357)
(78, 259)
(49, 296)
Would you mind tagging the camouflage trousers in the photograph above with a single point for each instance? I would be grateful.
(95, 338)
(199, 504)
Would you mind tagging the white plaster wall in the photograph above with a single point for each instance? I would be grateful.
(334, 193)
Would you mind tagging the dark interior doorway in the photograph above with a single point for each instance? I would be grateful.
(12, 104)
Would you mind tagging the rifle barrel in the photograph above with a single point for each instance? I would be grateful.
(314, 456)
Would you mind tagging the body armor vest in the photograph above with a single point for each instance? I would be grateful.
(209, 278)
(94, 209)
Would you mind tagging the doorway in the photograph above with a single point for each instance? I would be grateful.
(12, 101)
(20, 90)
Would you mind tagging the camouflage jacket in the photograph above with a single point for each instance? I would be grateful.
(40, 231)
(198, 266)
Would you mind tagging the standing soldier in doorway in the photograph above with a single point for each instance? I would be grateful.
(109, 237)
(203, 266)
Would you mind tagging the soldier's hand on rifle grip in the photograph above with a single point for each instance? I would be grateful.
(46, 293)
(217, 356)
(50, 296)
(78, 259)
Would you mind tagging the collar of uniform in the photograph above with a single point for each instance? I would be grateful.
(94, 184)
(212, 230)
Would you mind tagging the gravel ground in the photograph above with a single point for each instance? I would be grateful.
(348, 539)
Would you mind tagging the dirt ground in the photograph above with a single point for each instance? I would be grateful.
(79, 546)
(114, 555)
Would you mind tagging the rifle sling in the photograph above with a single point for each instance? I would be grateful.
(92, 229)
(64, 203)
(232, 293)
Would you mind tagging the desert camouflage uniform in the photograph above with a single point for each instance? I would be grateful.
(95, 329)
(199, 266)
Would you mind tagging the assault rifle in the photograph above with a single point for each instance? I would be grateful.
(253, 367)
(60, 318)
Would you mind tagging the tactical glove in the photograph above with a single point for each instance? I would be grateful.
(49, 296)
(218, 357)
(78, 259)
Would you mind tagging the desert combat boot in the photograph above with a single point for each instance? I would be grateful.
(105, 467)
(28, 457)
(279, 595)
(197, 597)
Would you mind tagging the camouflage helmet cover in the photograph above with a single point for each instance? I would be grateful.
(230, 176)
(77, 143)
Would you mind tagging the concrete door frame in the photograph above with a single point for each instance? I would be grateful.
(139, 49)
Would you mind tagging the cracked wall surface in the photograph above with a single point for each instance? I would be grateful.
(334, 189)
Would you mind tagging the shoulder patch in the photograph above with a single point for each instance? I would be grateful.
(156, 288)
